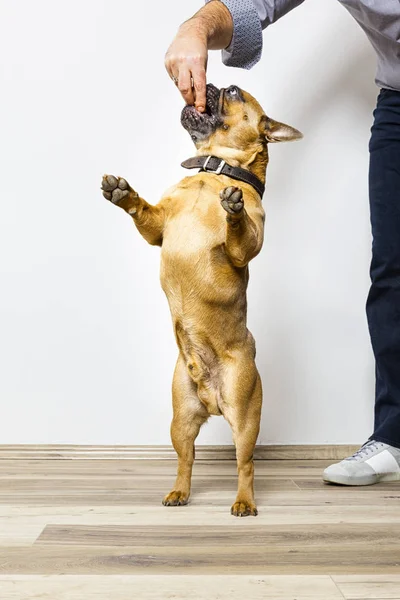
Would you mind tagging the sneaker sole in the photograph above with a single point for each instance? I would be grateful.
(367, 480)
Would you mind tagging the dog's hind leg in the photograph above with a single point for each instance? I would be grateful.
(188, 416)
(148, 219)
(241, 406)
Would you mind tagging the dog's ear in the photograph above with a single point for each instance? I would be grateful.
(278, 132)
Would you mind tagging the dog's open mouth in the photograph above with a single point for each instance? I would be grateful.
(202, 125)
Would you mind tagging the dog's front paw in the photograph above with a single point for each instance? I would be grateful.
(242, 508)
(232, 201)
(118, 191)
(176, 498)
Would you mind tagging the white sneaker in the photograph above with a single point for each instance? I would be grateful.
(372, 463)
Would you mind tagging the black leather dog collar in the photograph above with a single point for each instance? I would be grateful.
(213, 164)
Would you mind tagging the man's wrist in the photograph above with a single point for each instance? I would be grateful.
(213, 24)
(195, 27)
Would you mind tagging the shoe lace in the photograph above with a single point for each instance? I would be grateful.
(368, 447)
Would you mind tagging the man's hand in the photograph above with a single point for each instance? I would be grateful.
(186, 63)
(211, 28)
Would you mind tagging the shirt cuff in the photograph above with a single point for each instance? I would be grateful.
(245, 48)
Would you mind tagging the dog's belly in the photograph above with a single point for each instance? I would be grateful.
(207, 299)
(202, 364)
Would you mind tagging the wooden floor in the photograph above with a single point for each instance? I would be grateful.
(96, 529)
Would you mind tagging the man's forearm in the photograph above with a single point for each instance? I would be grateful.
(213, 22)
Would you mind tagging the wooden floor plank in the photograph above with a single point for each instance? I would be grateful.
(339, 535)
(369, 587)
(203, 496)
(316, 484)
(181, 587)
(199, 515)
(295, 559)
(196, 514)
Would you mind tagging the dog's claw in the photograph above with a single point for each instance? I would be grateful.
(175, 498)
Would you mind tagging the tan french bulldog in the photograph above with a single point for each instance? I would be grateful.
(209, 229)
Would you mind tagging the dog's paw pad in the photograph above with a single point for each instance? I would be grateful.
(232, 200)
(244, 509)
(175, 498)
(114, 188)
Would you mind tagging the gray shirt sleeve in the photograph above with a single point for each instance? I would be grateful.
(249, 18)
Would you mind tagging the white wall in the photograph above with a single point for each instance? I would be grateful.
(86, 347)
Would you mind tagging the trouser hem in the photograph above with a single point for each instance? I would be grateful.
(379, 438)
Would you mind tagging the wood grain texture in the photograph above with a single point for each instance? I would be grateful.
(95, 528)
(198, 515)
(176, 587)
(246, 559)
(340, 535)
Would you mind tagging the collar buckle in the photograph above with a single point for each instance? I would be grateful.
(217, 170)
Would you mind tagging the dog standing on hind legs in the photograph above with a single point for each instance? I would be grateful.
(209, 229)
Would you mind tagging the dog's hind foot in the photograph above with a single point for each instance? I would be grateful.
(242, 508)
(176, 498)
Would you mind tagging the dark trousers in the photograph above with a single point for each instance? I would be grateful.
(383, 305)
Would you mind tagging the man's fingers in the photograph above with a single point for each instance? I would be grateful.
(170, 66)
(170, 72)
(199, 84)
(185, 85)
(186, 60)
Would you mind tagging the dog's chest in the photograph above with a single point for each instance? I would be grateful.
(194, 226)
